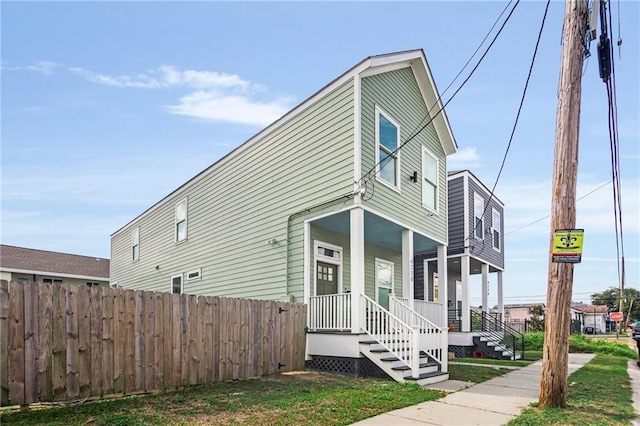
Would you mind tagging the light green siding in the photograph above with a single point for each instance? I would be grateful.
(241, 203)
(398, 94)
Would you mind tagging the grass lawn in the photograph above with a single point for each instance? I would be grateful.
(599, 394)
(305, 398)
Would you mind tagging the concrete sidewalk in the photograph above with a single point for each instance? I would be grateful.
(494, 402)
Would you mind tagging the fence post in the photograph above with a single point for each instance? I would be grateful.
(415, 352)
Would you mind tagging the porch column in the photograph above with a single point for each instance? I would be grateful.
(500, 296)
(443, 284)
(407, 266)
(485, 287)
(357, 267)
(465, 324)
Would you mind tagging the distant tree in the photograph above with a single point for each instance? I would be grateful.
(536, 322)
(611, 298)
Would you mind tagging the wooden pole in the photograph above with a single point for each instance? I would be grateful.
(553, 381)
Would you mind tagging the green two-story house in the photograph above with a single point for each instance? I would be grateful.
(326, 206)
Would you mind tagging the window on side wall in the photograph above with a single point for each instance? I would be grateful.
(176, 284)
(51, 281)
(387, 141)
(135, 244)
(181, 221)
(496, 223)
(478, 212)
(429, 180)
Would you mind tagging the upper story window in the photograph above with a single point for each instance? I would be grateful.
(478, 213)
(496, 222)
(429, 180)
(135, 244)
(387, 142)
(181, 221)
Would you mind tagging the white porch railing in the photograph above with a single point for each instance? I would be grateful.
(432, 311)
(392, 333)
(431, 336)
(330, 312)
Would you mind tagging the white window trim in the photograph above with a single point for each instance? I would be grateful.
(477, 198)
(326, 259)
(493, 228)
(437, 183)
(193, 271)
(135, 232)
(186, 221)
(181, 283)
(393, 280)
(380, 111)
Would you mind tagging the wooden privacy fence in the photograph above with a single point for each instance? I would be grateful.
(64, 342)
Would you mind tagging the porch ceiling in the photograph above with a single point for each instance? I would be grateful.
(377, 230)
(475, 266)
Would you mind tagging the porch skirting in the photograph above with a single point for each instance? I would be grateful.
(462, 351)
(359, 367)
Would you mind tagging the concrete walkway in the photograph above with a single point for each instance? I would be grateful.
(634, 373)
(494, 402)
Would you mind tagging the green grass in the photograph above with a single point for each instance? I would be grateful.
(475, 374)
(579, 343)
(599, 394)
(491, 361)
(307, 398)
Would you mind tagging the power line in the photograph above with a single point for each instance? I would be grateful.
(420, 129)
(545, 217)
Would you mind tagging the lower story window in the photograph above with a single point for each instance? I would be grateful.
(51, 281)
(176, 284)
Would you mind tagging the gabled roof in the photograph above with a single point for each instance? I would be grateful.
(454, 174)
(42, 262)
(371, 65)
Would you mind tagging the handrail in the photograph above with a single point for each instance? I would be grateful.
(507, 336)
(430, 333)
(392, 333)
(330, 312)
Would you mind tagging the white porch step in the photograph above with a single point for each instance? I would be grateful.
(428, 372)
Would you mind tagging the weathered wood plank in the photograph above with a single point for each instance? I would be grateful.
(158, 341)
(107, 352)
(139, 341)
(257, 344)
(59, 343)
(207, 335)
(223, 326)
(184, 331)
(16, 342)
(201, 303)
(73, 387)
(215, 338)
(243, 337)
(169, 341)
(84, 341)
(96, 326)
(4, 343)
(149, 332)
(176, 335)
(193, 335)
(235, 341)
(30, 343)
(119, 340)
(45, 344)
(129, 367)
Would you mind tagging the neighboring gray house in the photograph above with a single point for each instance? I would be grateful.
(321, 207)
(48, 267)
(476, 247)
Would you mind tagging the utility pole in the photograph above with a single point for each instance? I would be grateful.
(555, 359)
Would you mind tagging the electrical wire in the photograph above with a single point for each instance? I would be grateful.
(367, 175)
(515, 125)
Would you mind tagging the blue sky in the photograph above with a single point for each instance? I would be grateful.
(109, 106)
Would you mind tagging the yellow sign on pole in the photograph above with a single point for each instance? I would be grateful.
(567, 245)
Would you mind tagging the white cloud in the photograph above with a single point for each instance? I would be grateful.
(465, 158)
(212, 105)
(43, 67)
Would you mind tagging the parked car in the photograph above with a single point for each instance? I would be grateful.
(636, 331)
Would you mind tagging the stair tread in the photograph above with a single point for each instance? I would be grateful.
(422, 365)
(427, 375)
